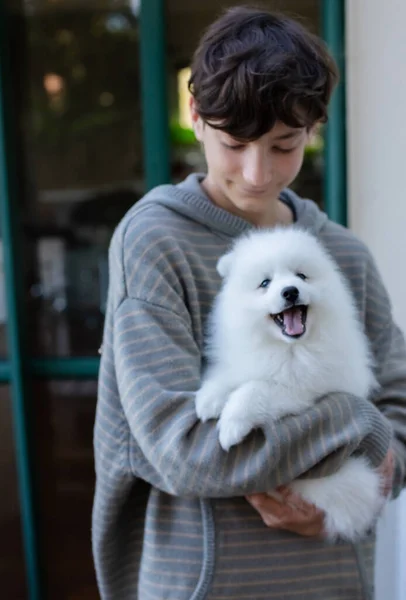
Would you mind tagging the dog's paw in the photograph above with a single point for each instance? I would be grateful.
(209, 403)
(233, 427)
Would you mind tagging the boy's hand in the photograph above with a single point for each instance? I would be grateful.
(290, 512)
(386, 470)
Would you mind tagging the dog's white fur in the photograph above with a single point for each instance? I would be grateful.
(257, 374)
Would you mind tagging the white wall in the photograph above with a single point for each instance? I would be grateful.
(376, 110)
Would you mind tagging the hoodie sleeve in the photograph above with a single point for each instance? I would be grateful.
(389, 350)
(158, 363)
(386, 339)
(158, 371)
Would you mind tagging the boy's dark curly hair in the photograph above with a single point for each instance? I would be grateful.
(253, 68)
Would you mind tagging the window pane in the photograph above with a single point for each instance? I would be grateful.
(64, 416)
(12, 570)
(186, 23)
(76, 72)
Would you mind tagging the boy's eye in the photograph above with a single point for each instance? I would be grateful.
(234, 147)
(284, 150)
(265, 283)
(301, 276)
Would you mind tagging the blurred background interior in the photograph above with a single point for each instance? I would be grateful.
(79, 152)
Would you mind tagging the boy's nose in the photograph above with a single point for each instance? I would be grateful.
(256, 171)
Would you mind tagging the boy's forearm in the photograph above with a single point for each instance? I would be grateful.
(191, 462)
(178, 454)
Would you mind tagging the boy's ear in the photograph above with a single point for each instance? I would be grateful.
(312, 131)
(197, 122)
(224, 264)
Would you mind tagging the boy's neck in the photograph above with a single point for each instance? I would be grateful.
(280, 215)
(277, 213)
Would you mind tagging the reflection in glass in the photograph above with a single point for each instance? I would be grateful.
(12, 573)
(76, 71)
(64, 416)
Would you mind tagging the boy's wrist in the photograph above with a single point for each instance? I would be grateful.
(377, 442)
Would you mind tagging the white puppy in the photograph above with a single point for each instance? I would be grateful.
(284, 331)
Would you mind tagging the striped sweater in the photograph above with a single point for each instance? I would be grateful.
(170, 519)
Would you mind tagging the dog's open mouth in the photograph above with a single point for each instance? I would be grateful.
(292, 321)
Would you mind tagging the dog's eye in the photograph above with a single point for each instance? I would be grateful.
(265, 283)
(302, 276)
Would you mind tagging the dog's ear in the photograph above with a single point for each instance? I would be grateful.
(224, 264)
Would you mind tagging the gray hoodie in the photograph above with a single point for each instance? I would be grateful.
(170, 519)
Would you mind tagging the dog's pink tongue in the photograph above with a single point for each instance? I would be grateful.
(292, 319)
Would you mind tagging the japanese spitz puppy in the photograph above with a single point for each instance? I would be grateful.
(284, 331)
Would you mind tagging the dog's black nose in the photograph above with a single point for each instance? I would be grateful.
(291, 293)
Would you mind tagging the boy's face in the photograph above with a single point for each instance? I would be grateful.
(247, 178)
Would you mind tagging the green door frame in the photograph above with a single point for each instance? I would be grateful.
(335, 153)
(19, 368)
(16, 363)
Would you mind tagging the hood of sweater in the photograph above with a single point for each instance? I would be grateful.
(189, 199)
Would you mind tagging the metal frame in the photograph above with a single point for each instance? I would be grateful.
(154, 93)
(335, 155)
(82, 367)
(16, 365)
(19, 369)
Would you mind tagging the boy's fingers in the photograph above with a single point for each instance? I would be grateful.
(284, 512)
(278, 515)
(293, 499)
(386, 470)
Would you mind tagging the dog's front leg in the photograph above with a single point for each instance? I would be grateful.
(248, 406)
(253, 404)
(212, 396)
